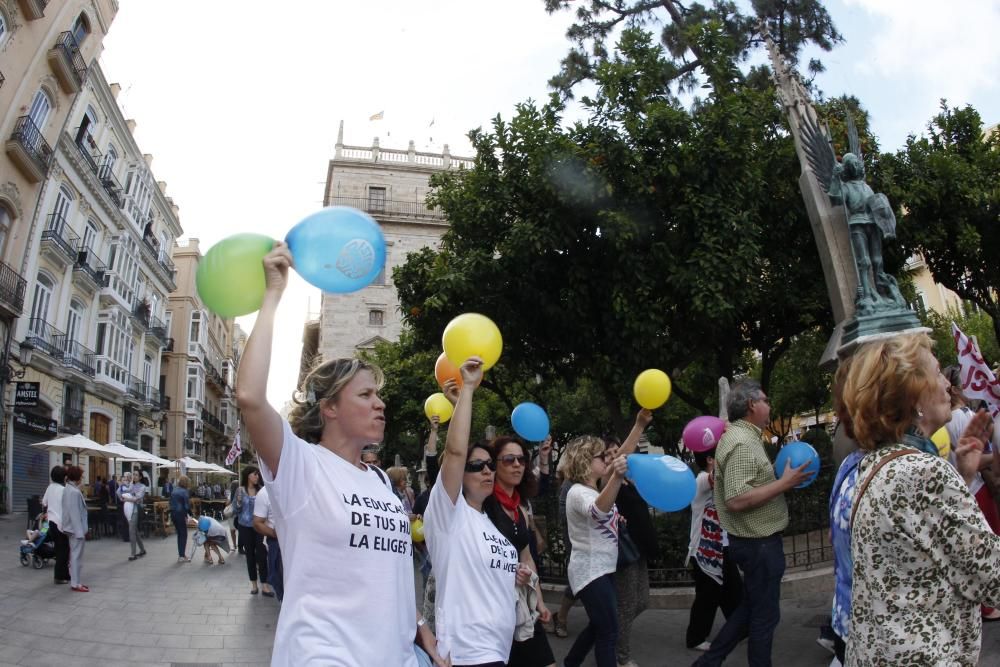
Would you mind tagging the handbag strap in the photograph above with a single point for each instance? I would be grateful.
(868, 480)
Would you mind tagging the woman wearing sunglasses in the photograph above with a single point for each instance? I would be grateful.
(468, 552)
(508, 509)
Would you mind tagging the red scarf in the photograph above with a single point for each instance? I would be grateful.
(511, 503)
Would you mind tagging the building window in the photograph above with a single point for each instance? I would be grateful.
(6, 220)
(376, 318)
(40, 107)
(194, 334)
(84, 133)
(376, 199)
(40, 304)
(195, 382)
(81, 28)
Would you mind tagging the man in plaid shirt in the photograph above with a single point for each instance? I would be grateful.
(751, 506)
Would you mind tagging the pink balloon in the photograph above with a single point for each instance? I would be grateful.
(703, 433)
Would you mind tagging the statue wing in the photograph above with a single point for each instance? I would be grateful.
(818, 150)
(854, 144)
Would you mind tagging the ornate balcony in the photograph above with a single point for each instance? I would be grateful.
(77, 357)
(111, 185)
(59, 242)
(140, 314)
(157, 329)
(12, 288)
(91, 159)
(390, 208)
(45, 337)
(67, 63)
(88, 271)
(212, 422)
(32, 10)
(159, 262)
(28, 150)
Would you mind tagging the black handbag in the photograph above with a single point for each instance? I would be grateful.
(628, 552)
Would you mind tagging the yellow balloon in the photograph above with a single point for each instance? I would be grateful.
(417, 530)
(472, 335)
(652, 388)
(943, 441)
(438, 405)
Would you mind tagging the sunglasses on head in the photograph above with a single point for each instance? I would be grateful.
(509, 459)
(477, 465)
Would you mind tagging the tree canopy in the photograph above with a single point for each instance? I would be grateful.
(652, 235)
(947, 184)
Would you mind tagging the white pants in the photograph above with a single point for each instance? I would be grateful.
(75, 558)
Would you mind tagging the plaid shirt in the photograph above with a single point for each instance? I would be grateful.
(741, 465)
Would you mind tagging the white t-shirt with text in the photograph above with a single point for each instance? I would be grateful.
(345, 543)
(594, 536)
(474, 569)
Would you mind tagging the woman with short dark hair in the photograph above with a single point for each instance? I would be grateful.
(52, 501)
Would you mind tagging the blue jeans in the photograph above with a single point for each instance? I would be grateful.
(600, 600)
(762, 561)
(275, 571)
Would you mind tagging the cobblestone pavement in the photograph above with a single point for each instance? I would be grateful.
(154, 611)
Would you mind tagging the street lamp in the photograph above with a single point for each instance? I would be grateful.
(7, 372)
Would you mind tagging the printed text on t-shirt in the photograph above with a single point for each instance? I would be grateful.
(377, 525)
(503, 556)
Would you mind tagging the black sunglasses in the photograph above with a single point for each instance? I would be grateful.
(509, 459)
(478, 465)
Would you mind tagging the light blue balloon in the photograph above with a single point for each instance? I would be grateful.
(204, 524)
(798, 452)
(338, 249)
(665, 482)
(530, 421)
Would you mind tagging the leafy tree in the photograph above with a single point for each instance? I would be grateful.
(946, 184)
(652, 236)
(972, 323)
(709, 39)
(798, 385)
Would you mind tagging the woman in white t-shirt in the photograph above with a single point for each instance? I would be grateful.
(345, 540)
(475, 566)
(592, 523)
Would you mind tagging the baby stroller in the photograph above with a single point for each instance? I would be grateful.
(39, 547)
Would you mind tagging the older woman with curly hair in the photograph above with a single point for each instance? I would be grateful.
(592, 523)
(924, 556)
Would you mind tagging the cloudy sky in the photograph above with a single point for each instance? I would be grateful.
(239, 102)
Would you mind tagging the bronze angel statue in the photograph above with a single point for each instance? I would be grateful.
(869, 216)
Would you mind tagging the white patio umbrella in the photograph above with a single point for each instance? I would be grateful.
(75, 445)
(130, 454)
(219, 469)
(191, 464)
(123, 453)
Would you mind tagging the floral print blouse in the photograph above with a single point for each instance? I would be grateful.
(924, 560)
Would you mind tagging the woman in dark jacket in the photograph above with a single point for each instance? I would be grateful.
(180, 508)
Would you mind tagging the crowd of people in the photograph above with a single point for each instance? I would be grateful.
(917, 555)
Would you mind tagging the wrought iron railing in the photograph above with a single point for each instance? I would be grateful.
(45, 337)
(92, 159)
(71, 50)
(75, 355)
(32, 142)
(157, 328)
(376, 206)
(158, 260)
(58, 232)
(212, 421)
(12, 288)
(140, 313)
(111, 185)
(136, 388)
(88, 262)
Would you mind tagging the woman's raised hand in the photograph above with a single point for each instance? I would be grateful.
(276, 264)
(451, 391)
(619, 466)
(472, 372)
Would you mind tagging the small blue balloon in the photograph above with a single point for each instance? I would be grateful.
(204, 524)
(798, 452)
(339, 249)
(665, 482)
(530, 422)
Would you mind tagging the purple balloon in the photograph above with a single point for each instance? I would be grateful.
(703, 433)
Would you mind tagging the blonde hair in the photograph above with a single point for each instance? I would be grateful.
(579, 455)
(883, 386)
(397, 474)
(323, 383)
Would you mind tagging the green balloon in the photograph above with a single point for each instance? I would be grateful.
(230, 276)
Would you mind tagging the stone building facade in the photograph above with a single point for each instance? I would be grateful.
(47, 50)
(199, 369)
(391, 185)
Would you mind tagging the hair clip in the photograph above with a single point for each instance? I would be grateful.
(310, 394)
